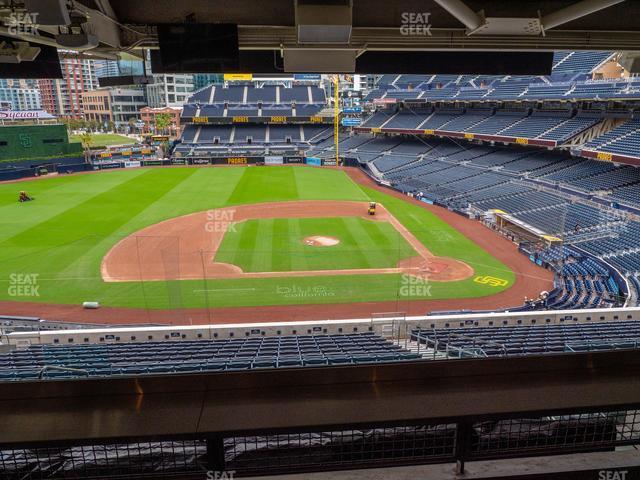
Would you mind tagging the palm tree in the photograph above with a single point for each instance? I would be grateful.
(86, 139)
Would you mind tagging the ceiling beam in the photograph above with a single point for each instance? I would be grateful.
(365, 38)
(575, 11)
(459, 10)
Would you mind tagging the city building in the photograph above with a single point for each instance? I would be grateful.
(126, 104)
(19, 95)
(117, 105)
(97, 106)
(106, 68)
(169, 90)
(63, 97)
(148, 115)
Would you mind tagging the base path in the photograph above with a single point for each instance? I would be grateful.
(183, 248)
(530, 281)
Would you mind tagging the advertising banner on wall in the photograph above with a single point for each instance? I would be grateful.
(308, 77)
(293, 159)
(237, 160)
(273, 160)
(317, 161)
(178, 161)
(234, 77)
(153, 163)
(110, 165)
(329, 162)
(132, 164)
(199, 161)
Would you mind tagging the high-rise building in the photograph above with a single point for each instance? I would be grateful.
(106, 68)
(63, 97)
(19, 95)
(169, 90)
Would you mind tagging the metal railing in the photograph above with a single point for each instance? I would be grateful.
(294, 451)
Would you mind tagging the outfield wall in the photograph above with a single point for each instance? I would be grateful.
(387, 325)
(19, 142)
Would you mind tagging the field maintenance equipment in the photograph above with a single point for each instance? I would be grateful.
(24, 197)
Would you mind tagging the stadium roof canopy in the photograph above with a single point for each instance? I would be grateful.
(108, 27)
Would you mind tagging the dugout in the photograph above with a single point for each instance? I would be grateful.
(523, 230)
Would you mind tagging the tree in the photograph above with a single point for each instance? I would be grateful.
(132, 124)
(162, 123)
(67, 123)
(86, 139)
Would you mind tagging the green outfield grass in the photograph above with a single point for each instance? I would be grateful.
(104, 139)
(277, 245)
(59, 240)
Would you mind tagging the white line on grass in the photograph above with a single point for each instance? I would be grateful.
(225, 290)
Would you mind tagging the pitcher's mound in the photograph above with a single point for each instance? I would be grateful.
(320, 241)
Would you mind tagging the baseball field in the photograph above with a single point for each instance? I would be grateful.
(203, 238)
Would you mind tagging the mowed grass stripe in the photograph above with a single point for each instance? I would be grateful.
(388, 242)
(281, 255)
(230, 244)
(256, 187)
(314, 183)
(84, 225)
(381, 246)
(361, 245)
(54, 196)
(262, 260)
(295, 247)
(152, 211)
(246, 246)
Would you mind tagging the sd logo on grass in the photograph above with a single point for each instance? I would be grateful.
(491, 281)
